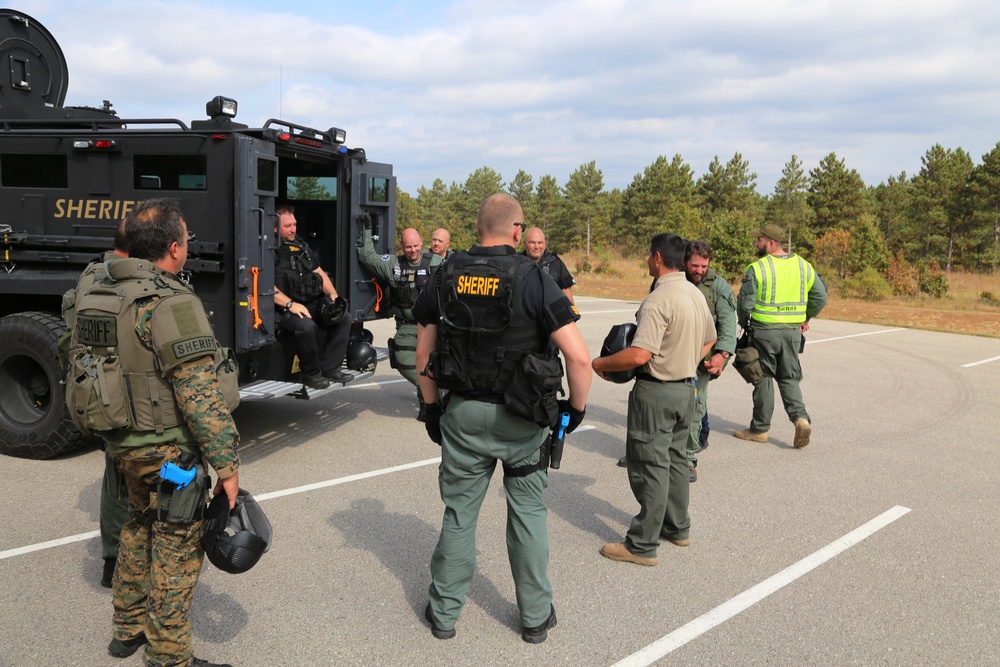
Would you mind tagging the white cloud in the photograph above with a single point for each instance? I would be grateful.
(548, 86)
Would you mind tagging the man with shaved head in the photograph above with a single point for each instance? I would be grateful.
(549, 262)
(441, 242)
(487, 316)
(403, 277)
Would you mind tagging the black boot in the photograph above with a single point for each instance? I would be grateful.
(109, 572)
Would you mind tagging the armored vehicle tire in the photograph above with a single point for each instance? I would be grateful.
(34, 422)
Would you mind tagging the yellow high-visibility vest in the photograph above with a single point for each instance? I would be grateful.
(783, 284)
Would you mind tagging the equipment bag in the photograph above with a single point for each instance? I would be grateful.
(747, 360)
(95, 392)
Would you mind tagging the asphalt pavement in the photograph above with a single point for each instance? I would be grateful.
(875, 545)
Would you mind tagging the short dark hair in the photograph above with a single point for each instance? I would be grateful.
(121, 244)
(671, 250)
(700, 248)
(152, 227)
(282, 209)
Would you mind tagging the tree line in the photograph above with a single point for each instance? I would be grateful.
(947, 216)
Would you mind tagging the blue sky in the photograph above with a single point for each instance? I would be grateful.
(440, 89)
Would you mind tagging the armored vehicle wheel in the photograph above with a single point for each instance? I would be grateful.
(34, 422)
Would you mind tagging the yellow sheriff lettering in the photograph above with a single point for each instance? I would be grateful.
(477, 285)
(93, 209)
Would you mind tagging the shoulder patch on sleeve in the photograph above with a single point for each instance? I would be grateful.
(385, 258)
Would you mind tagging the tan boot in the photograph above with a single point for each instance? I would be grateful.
(617, 551)
(753, 436)
(802, 432)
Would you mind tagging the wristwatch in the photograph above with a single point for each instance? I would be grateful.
(725, 355)
(288, 306)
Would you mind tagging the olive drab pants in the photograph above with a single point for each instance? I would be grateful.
(406, 351)
(779, 357)
(475, 435)
(158, 566)
(659, 417)
(700, 410)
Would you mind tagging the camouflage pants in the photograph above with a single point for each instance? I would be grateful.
(158, 566)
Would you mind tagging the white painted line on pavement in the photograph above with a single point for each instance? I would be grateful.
(345, 480)
(20, 551)
(751, 596)
(79, 537)
(374, 384)
(868, 333)
(977, 363)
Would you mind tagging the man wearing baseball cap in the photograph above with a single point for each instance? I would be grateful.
(781, 292)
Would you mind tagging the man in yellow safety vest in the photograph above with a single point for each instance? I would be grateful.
(781, 292)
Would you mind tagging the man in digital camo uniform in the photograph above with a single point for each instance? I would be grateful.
(780, 293)
(159, 331)
(406, 276)
(500, 306)
(722, 305)
(674, 332)
(114, 503)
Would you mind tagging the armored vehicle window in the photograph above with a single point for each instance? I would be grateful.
(377, 192)
(267, 176)
(33, 171)
(311, 188)
(170, 172)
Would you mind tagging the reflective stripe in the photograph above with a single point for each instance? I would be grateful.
(782, 289)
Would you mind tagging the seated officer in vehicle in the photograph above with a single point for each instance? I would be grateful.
(302, 289)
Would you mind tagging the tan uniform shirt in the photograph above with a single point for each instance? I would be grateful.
(673, 323)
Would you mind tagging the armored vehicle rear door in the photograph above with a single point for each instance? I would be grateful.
(373, 195)
(256, 180)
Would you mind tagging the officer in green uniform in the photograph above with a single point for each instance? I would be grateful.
(114, 503)
(406, 276)
(165, 396)
(780, 293)
(722, 305)
(674, 332)
(486, 313)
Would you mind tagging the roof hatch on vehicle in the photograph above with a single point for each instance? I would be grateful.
(32, 66)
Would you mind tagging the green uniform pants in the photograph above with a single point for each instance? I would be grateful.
(659, 416)
(700, 408)
(475, 435)
(114, 508)
(406, 351)
(158, 566)
(779, 358)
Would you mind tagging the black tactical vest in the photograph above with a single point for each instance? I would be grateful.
(408, 281)
(483, 330)
(295, 273)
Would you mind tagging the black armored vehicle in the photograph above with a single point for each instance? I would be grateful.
(68, 175)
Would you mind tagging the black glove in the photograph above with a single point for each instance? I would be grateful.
(365, 221)
(432, 421)
(575, 416)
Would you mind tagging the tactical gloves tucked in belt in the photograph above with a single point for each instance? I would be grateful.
(575, 416)
(432, 421)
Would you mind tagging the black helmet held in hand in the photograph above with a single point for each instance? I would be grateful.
(619, 338)
(332, 311)
(236, 539)
(361, 356)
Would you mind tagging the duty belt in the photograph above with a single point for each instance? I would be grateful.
(649, 378)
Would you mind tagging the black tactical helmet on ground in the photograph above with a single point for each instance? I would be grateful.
(361, 356)
(332, 311)
(236, 539)
(619, 338)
